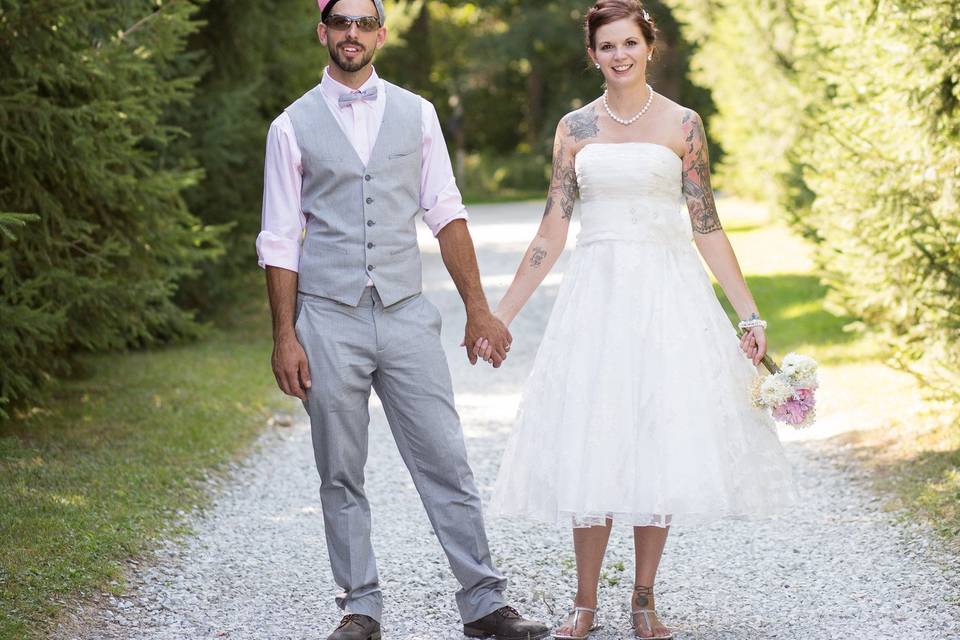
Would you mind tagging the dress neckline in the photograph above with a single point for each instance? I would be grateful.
(619, 144)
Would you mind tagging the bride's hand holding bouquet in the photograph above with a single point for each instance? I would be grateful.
(789, 391)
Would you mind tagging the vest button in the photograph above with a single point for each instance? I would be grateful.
(370, 223)
(368, 177)
(370, 245)
(369, 200)
(369, 267)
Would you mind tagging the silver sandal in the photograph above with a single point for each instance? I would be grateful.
(576, 621)
(645, 602)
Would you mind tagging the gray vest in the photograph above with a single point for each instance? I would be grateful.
(361, 221)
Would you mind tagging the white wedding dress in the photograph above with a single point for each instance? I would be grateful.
(638, 407)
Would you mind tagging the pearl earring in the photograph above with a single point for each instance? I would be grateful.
(597, 65)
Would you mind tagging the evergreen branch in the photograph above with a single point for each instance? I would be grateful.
(10, 219)
(145, 19)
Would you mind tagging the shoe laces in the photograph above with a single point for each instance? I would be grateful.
(347, 619)
(508, 612)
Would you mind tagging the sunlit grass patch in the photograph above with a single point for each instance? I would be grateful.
(917, 461)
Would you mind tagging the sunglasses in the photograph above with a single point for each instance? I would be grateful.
(338, 22)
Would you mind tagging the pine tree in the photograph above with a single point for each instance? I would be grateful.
(254, 58)
(87, 89)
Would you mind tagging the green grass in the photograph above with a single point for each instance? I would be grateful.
(106, 466)
(927, 480)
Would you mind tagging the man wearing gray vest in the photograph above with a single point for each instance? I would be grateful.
(348, 167)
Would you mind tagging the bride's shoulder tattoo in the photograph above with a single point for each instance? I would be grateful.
(583, 123)
(696, 176)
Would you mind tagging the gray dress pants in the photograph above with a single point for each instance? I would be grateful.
(397, 351)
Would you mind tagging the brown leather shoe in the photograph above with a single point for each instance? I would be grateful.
(505, 624)
(356, 626)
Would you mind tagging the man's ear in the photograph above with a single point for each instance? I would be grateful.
(322, 33)
(381, 37)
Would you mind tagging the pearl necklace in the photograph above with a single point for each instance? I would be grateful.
(628, 121)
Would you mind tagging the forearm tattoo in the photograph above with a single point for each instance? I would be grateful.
(537, 258)
(696, 177)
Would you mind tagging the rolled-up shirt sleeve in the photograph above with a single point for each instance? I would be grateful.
(282, 220)
(439, 195)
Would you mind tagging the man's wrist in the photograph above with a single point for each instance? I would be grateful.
(284, 335)
(477, 307)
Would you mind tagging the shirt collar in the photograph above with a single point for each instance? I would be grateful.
(332, 89)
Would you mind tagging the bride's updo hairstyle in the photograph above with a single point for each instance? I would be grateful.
(607, 11)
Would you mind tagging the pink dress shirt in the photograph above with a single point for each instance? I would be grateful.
(283, 220)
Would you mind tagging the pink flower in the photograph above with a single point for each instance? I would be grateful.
(795, 410)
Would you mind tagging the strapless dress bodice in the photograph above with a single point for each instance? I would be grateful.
(631, 192)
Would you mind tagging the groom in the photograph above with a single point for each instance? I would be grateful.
(348, 167)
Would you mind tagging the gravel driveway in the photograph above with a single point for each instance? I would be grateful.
(836, 566)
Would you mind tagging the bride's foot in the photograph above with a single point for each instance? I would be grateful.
(644, 619)
(579, 624)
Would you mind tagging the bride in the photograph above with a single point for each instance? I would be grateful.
(637, 408)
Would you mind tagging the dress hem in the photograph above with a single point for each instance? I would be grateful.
(633, 519)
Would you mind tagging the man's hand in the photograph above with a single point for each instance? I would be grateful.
(290, 366)
(484, 328)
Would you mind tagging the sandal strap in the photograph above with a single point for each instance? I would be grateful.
(575, 612)
(646, 617)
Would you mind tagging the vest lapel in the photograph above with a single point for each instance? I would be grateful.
(389, 122)
(324, 112)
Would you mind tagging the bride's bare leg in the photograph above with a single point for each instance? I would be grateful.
(648, 546)
(589, 545)
(648, 543)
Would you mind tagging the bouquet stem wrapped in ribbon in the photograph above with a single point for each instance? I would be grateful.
(789, 391)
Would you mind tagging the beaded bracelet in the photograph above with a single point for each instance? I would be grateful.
(751, 322)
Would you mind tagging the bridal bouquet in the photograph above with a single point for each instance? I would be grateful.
(789, 390)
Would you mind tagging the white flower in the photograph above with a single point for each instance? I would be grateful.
(775, 390)
(801, 370)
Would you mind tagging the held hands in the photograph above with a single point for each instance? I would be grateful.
(754, 344)
(488, 338)
(290, 367)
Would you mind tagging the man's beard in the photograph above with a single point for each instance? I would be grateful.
(347, 65)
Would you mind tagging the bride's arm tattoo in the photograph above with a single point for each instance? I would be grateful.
(536, 259)
(563, 183)
(696, 176)
(582, 124)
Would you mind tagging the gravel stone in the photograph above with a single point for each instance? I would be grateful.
(838, 565)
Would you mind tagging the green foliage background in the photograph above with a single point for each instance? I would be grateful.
(86, 92)
(845, 116)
